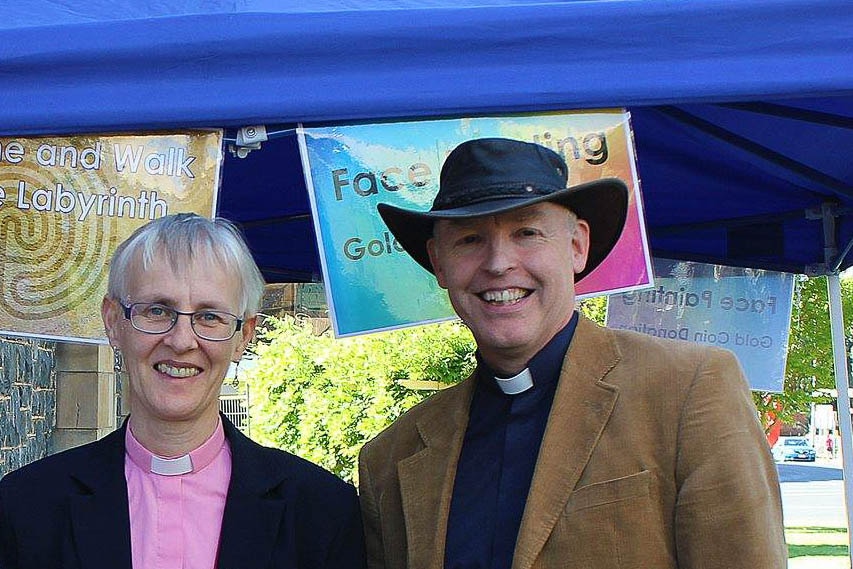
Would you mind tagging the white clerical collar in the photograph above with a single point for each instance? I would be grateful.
(516, 384)
(171, 466)
(195, 460)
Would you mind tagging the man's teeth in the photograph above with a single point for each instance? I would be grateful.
(177, 371)
(507, 296)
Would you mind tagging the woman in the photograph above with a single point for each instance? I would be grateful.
(178, 485)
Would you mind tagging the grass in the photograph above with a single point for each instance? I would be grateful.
(816, 542)
(795, 551)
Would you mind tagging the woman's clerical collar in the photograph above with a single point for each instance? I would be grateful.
(516, 384)
(195, 460)
(171, 466)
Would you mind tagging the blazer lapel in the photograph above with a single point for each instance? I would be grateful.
(100, 521)
(253, 513)
(581, 408)
(426, 477)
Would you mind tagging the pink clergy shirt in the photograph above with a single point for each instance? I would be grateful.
(176, 519)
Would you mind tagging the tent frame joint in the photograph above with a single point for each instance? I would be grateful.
(828, 212)
(248, 138)
(815, 270)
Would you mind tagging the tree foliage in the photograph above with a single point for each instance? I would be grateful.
(810, 359)
(322, 398)
(594, 308)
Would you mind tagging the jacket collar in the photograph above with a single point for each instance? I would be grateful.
(581, 408)
(101, 522)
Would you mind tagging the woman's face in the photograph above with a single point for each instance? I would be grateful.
(176, 376)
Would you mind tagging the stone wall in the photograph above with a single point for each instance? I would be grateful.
(27, 400)
(86, 398)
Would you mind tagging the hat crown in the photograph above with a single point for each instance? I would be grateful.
(487, 169)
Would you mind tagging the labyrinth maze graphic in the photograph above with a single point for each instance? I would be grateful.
(50, 263)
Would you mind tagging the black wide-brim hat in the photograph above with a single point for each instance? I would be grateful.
(487, 176)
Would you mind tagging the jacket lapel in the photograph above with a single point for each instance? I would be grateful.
(253, 511)
(581, 408)
(100, 522)
(426, 477)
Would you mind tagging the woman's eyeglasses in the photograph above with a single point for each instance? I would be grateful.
(154, 318)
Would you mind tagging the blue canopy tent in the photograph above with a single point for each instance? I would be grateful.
(742, 109)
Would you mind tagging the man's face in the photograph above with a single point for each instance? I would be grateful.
(176, 376)
(510, 277)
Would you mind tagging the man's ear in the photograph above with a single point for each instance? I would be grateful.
(111, 315)
(436, 266)
(580, 245)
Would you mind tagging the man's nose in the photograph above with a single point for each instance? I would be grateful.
(501, 255)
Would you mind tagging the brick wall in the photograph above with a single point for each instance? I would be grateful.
(27, 400)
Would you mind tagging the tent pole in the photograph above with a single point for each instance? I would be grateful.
(842, 384)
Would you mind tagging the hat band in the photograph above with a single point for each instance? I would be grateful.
(487, 193)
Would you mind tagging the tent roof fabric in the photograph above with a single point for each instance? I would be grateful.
(251, 62)
(742, 110)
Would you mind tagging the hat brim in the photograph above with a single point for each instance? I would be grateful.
(602, 203)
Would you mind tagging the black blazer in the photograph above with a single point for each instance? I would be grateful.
(70, 511)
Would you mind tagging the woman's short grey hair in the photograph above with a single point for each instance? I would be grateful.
(183, 238)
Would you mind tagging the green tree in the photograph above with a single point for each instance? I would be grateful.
(594, 308)
(323, 398)
(810, 358)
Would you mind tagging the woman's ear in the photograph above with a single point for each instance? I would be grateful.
(247, 332)
(111, 315)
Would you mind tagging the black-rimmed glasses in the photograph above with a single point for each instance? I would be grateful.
(154, 318)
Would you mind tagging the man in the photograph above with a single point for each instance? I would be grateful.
(178, 486)
(571, 445)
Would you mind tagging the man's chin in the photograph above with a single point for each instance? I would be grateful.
(505, 346)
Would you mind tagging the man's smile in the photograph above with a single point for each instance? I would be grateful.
(504, 296)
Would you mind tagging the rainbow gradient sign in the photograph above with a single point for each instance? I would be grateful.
(371, 282)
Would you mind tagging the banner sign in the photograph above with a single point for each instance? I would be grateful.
(371, 282)
(745, 310)
(67, 202)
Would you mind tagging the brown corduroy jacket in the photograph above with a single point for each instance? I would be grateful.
(653, 458)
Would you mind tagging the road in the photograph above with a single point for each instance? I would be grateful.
(812, 494)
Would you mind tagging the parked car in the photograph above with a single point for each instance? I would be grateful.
(793, 448)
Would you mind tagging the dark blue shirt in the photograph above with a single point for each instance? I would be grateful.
(497, 461)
